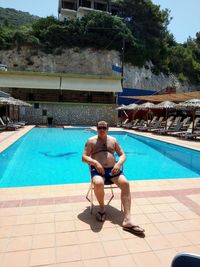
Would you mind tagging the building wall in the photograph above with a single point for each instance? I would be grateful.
(70, 113)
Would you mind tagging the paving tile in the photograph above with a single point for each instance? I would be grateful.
(19, 243)
(148, 208)
(68, 238)
(193, 236)
(164, 207)
(16, 259)
(63, 207)
(45, 209)
(142, 201)
(186, 226)
(87, 236)
(3, 244)
(156, 217)
(178, 206)
(81, 225)
(195, 198)
(146, 259)
(189, 249)
(65, 226)
(44, 228)
(42, 256)
(189, 215)
(166, 256)
(123, 260)
(158, 242)
(96, 262)
(92, 251)
(141, 219)
(136, 245)
(26, 219)
(45, 218)
(6, 231)
(151, 229)
(70, 264)
(23, 229)
(177, 240)
(160, 200)
(68, 254)
(166, 228)
(43, 241)
(64, 216)
(173, 216)
(109, 234)
(8, 220)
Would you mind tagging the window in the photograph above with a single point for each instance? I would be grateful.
(36, 105)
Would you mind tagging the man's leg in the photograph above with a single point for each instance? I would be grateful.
(123, 184)
(98, 182)
(127, 223)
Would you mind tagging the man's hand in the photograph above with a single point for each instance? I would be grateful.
(116, 169)
(99, 168)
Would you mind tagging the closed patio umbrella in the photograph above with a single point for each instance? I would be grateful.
(193, 105)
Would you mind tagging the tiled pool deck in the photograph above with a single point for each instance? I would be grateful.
(52, 225)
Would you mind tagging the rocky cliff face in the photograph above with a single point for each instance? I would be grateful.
(86, 61)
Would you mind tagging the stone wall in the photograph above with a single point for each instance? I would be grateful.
(70, 113)
(87, 61)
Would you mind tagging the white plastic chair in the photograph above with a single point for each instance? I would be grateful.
(90, 193)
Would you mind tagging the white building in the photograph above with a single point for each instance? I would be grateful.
(79, 8)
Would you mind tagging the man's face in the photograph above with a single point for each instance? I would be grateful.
(102, 129)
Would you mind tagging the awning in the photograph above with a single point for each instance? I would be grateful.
(179, 97)
(60, 81)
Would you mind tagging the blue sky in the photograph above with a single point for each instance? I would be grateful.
(185, 23)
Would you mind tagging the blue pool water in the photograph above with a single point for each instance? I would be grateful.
(47, 156)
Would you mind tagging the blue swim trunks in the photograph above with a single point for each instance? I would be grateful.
(108, 174)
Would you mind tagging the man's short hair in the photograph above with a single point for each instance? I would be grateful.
(102, 123)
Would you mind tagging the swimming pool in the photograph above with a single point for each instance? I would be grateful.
(47, 156)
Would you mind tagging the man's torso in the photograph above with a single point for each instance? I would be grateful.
(103, 151)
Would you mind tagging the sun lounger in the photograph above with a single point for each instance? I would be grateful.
(2, 128)
(176, 129)
(149, 125)
(139, 124)
(9, 121)
(188, 132)
(191, 135)
(9, 126)
(129, 125)
(149, 128)
(165, 126)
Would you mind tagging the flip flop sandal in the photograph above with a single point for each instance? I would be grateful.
(100, 216)
(135, 229)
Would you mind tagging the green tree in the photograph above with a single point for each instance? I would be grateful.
(149, 28)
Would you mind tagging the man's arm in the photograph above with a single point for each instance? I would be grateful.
(121, 159)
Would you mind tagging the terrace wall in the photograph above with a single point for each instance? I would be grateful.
(70, 113)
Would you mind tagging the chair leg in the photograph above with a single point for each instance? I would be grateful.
(90, 195)
(112, 194)
(90, 199)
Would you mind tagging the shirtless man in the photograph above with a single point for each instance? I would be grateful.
(99, 154)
